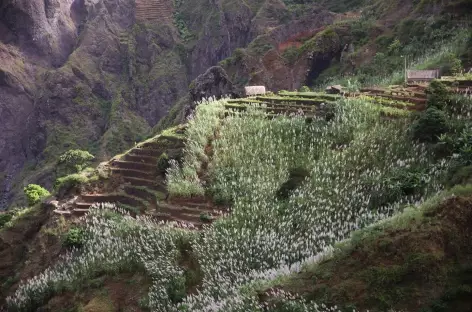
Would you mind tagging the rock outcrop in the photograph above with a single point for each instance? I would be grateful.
(213, 83)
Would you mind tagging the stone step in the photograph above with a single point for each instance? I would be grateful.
(81, 205)
(146, 152)
(114, 198)
(79, 212)
(140, 159)
(65, 213)
(151, 184)
(148, 196)
(134, 173)
(120, 164)
(404, 99)
(295, 101)
(181, 218)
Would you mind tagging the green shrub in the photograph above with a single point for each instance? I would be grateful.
(430, 125)
(163, 162)
(34, 193)
(176, 289)
(459, 175)
(75, 237)
(460, 145)
(409, 180)
(73, 161)
(450, 64)
(304, 89)
(205, 217)
(65, 184)
(290, 55)
(5, 217)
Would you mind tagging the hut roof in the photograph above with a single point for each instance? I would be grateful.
(422, 74)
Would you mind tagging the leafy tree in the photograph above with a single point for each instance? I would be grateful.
(450, 64)
(176, 289)
(34, 193)
(460, 145)
(74, 161)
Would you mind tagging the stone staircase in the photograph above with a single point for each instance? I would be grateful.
(154, 10)
(141, 188)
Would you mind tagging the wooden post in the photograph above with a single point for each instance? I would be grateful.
(406, 75)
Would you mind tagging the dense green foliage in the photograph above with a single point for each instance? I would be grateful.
(295, 189)
(73, 161)
(75, 237)
(430, 125)
(34, 193)
(5, 217)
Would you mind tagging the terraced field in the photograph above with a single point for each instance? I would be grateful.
(140, 188)
(154, 10)
(314, 104)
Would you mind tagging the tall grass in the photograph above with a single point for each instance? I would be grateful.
(183, 180)
(355, 162)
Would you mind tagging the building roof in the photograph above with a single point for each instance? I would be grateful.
(422, 74)
(252, 90)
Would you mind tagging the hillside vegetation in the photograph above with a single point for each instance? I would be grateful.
(291, 201)
(298, 183)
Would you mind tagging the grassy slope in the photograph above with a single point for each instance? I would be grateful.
(417, 261)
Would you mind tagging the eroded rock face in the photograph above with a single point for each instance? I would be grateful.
(270, 68)
(44, 30)
(229, 30)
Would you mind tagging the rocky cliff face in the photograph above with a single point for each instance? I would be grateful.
(99, 74)
(34, 35)
(267, 60)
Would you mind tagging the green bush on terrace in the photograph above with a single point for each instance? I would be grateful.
(68, 182)
(34, 193)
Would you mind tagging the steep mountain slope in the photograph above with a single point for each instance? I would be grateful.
(98, 75)
(366, 43)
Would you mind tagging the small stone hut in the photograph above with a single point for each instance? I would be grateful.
(254, 90)
(422, 75)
